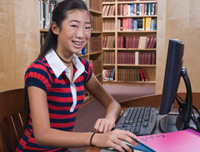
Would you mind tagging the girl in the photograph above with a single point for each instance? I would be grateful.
(55, 84)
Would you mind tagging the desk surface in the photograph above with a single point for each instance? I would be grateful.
(154, 101)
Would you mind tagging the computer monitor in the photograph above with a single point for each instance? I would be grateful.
(173, 73)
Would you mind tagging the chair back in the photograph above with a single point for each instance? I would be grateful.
(11, 119)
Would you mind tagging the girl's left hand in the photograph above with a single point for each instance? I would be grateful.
(104, 125)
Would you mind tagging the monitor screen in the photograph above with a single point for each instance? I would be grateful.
(173, 72)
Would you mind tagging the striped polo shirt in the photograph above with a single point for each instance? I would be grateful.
(64, 96)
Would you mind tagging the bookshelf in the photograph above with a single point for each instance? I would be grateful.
(129, 40)
(93, 50)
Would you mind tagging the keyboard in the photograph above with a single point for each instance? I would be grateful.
(138, 120)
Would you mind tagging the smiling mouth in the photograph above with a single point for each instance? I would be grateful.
(78, 44)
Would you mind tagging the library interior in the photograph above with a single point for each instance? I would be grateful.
(144, 54)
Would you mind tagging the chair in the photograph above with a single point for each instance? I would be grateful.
(11, 119)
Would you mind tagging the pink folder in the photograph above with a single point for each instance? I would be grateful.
(179, 141)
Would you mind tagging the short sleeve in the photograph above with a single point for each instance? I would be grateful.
(88, 70)
(37, 75)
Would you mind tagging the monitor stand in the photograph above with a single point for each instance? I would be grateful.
(170, 122)
(181, 121)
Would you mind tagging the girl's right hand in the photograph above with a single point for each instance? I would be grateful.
(114, 139)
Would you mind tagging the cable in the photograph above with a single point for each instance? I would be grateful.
(196, 120)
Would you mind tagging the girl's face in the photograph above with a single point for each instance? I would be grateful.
(75, 32)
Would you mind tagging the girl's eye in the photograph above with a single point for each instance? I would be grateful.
(76, 26)
(88, 27)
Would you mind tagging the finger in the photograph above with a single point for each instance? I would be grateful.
(106, 127)
(96, 126)
(118, 148)
(124, 146)
(130, 134)
(99, 127)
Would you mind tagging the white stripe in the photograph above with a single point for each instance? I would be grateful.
(74, 95)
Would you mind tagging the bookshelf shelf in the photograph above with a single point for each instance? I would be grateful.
(129, 40)
(109, 32)
(135, 2)
(95, 12)
(112, 17)
(139, 32)
(44, 30)
(133, 49)
(125, 82)
(96, 32)
(95, 53)
(136, 16)
(108, 64)
(83, 55)
(106, 3)
(108, 49)
(134, 65)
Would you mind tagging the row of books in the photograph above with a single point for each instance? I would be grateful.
(140, 42)
(123, 0)
(46, 8)
(132, 75)
(133, 57)
(132, 0)
(125, 75)
(137, 58)
(96, 64)
(108, 10)
(96, 23)
(108, 57)
(108, 0)
(136, 9)
(95, 5)
(108, 41)
(95, 44)
(42, 38)
(108, 74)
(139, 24)
(108, 25)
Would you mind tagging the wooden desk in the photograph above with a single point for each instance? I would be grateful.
(150, 100)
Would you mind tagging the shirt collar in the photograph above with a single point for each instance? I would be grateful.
(58, 66)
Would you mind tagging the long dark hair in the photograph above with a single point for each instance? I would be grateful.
(59, 15)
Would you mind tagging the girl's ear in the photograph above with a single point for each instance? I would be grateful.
(55, 29)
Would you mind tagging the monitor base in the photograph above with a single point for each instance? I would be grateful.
(168, 123)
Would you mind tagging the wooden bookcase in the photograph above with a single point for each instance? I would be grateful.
(129, 40)
(93, 50)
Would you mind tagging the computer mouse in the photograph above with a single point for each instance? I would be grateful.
(128, 144)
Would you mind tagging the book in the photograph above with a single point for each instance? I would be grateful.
(145, 75)
(178, 141)
(141, 75)
(148, 24)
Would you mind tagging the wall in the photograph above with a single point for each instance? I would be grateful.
(179, 19)
(19, 40)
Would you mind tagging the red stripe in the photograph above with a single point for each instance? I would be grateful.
(62, 125)
(53, 107)
(39, 77)
(62, 90)
(80, 88)
(60, 99)
(80, 97)
(54, 116)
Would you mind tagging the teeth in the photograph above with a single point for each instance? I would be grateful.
(77, 43)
